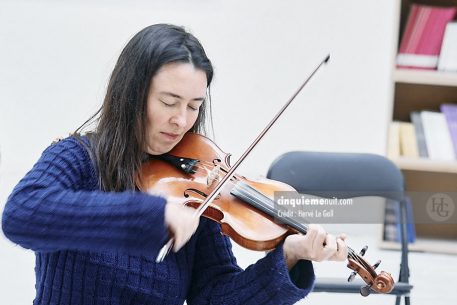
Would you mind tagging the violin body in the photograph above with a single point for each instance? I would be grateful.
(245, 224)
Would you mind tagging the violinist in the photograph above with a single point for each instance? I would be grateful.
(96, 236)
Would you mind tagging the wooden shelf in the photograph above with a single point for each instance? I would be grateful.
(425, 77)
(411, 96)
(426, 165)
(445, 246)
(424, 175)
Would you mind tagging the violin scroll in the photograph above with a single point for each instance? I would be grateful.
(380, 283)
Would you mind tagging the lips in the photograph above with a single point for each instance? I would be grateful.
(170, 136)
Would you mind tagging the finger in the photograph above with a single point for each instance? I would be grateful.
(311, 232)
(190, 229)
(183, 235)
(185, 232)
(176, 244)
(319, 240)
(342, 236)
(316, 245)
(342, 253)
(330, 242)
(195, 224)
(330, 248)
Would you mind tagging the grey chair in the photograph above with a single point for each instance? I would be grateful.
(347, 175)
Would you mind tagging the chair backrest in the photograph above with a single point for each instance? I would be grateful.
(344, 175)
(347, 175)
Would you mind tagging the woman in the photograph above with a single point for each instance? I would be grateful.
(96, 238)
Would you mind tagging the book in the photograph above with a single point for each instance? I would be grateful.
(448, 54)
(393, 221)
(393, 140)
(423, 35)
(450, 113)
(410, 225)
(408, 142)
(420, 137)
(437, 136)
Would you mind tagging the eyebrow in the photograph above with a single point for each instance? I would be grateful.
(201, 99)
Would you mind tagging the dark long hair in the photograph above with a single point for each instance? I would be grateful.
(118, 141)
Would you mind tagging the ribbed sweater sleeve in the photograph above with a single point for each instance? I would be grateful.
(57, 206)
(217, 279)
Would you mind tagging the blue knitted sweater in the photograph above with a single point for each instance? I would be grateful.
(95, 247)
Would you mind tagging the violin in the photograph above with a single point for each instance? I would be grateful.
(199, 174)
(244, 208)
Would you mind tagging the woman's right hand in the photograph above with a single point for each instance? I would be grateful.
(181, 221)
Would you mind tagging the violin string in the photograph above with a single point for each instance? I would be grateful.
(205, 167)
(259, 197)
(219, 176)
(354, 255)
(209, 164)
(207, 170)
(363, 263)
(357, 258)
(231, 182)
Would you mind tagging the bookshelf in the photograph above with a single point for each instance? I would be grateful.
(416, 90)
(425, 77)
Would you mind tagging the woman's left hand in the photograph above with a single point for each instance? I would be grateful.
(316, 245)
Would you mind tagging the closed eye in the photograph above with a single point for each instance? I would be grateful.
(167, 104)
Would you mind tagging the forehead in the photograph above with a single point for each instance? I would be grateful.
(182, 79)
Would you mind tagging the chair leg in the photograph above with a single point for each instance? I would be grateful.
(398, 300)
(404, 267)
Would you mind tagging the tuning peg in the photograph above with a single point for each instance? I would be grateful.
(362, 252)
(365, 291)
(352, 276)
(376, 264)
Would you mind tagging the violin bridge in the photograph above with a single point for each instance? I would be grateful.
(213, 175)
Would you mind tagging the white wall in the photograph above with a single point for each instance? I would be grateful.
(55, 60)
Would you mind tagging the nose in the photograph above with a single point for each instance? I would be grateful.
(179, 117)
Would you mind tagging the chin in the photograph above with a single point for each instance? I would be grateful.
(157, 151)
(166, 148)
(162, 148)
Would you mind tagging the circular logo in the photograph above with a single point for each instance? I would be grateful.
(440, 207)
